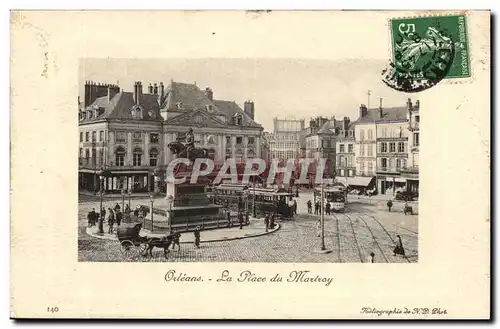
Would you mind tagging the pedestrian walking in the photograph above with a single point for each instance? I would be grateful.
(91, 217)
(111, 220)
(399, 249)
(371, 259)
(389, 205)
(316, 208)
(127, 209)
(271, 221)
(327, 208)
(119, 217)
(197, 237)
(266, 222)
(295, 207)
(309, 207)
(318, 228)
(117, 207)
(240, 218)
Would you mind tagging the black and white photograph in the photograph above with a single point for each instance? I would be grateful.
(340, 185)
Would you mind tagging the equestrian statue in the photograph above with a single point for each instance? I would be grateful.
(183, 147)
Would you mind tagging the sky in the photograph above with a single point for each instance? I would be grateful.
(283, 88)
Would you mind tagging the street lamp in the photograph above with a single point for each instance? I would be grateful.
(253, 205)
(101, 220)
(323, 249)
(152, 199)
(123, 200)
(129, 198)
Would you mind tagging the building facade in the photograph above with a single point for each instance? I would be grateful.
(284, 141)
(410, 172)
(127, 133)
(345, 150)
(365, 142)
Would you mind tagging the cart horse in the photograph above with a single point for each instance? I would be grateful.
(133, 245)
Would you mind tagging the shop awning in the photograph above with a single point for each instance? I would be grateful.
(359, 181)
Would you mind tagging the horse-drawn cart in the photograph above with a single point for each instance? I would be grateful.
(131, 243)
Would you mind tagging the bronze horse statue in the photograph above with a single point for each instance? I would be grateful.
(179, 149)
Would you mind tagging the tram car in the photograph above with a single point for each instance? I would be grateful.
(271, 201)
(230, 196)
(336, 196)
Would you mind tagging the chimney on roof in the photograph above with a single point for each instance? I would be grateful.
(155, 89)
(112, 91)
(209, 93)
(249, 109)
(346, 123)
(408, 104)
(362, 110)
(381, 111)
(162, 90)
(150, 88)
(94, 91)
(137, 92)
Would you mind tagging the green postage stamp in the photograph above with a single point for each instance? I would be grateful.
(426, 50)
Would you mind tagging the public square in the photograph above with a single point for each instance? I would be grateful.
(365, 227)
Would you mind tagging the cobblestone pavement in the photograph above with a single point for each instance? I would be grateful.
(363, 228)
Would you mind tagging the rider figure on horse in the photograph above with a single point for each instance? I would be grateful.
(188, 141)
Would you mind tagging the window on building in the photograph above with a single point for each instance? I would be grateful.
(417, 118)
(392, 147)
(137, 157)
(390, 163)
(401, 147)
(370, 134)
(398, 163)
(370, 168)
(239, 140)
(154, 138)
(81, 137)
(137, 136)
(120, 157)
(362, 166)
(228, 140)
(349, 161)
(341, 149)
(94, 136)
(383, 163)
(351, 133)
(153, 157)
(120, 137)
(87, 153)
(362, 134)
(370, 150)
(416, 139)
(350, 148)
(101, 136)
(404, 164)
(251, 140)
(383, 147)
(87, 136)
(362, 150)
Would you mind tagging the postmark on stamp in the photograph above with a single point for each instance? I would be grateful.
(427, 50)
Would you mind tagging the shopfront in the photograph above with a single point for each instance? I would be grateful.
(137, 182)
(390, 184)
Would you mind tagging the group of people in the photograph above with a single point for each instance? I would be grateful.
(317, 208)
(112, 216)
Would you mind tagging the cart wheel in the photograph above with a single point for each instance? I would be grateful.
(128, 249)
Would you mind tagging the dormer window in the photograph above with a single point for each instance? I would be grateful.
(89, 114)
(179, 105)
(238, 119)
(152, 114)
(209, 108)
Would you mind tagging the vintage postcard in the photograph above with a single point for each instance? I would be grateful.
(282, 157)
